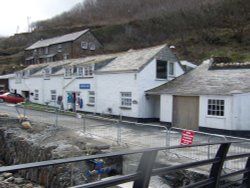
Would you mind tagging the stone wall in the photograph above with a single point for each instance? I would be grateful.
(43, 142)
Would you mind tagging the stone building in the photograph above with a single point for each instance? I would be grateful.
(73, 45)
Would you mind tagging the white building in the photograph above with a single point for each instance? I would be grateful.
(112, 84)
(214, 97)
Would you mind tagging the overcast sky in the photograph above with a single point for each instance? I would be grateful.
(14, 13)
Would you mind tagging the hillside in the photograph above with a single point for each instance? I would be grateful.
(198, 30)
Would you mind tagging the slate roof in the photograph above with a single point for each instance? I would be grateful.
(132, 60)
(202, 81)
(57, 40)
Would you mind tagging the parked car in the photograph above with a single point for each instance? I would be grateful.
(11, 97)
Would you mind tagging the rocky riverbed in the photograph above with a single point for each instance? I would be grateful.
(39, 142)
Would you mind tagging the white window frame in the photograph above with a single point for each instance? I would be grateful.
(68, 72)
(91, 97)
(65, 56)
(126, 99)
(36, 94)
(88, 71)
(216, 107)
(92, 46)
(80, 71)
(166, 70)
(171, 71)
(84, 45)
(46, 50)
(53, 95)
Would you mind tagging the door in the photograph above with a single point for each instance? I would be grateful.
(186, 112)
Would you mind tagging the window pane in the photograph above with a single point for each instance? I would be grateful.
(215, 107)
(161, 69)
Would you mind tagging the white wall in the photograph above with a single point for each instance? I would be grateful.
(216, 122)
(108, 89)
(241, 112)
(74, 86)
(166, 108)
(147, 80)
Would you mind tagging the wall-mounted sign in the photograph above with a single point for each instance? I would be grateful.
(84, 86)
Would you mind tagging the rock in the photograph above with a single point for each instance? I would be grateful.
(29, 185)
(10, 179)
(7, 175)
(1, 178)
(18, 180)
(26, 125)
(4, 115)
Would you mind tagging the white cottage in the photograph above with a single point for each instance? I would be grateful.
(112, 84)
(214, 97)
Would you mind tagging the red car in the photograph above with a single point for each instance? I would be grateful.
(11, 97)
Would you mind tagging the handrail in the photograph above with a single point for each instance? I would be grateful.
(146, 166)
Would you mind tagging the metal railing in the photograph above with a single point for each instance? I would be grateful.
(143, 135)
(146, 167)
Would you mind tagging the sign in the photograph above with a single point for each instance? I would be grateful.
(187, 137)
(84, 86)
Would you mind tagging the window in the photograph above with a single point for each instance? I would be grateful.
(84, 45)
(65, 56)
(36, 95)
(46, 73)
(216, 107)
(53, 95)
(88, 71)
(26, 74)
(80, 71)
(46, 50)
(171, 69)
(91, 97)
(68, 72)
(34, 51)
(92, 46)
(161, 69)
(126, 99)
(59, 48)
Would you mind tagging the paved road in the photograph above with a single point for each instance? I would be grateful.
(129, 136)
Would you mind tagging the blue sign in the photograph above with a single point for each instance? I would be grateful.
(84, 86)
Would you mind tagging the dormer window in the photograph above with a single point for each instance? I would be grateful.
(171, 69)
(80, 71)
(84, 45)
(47, 73)
(26, 74)
(161, 69)
(68, 72)
(88, 70)
(164, 69)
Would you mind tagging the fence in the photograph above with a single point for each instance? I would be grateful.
(139, 135)
(146, 168)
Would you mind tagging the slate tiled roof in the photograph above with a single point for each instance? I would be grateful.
(133, 60)
(202, 81)
(57, 40)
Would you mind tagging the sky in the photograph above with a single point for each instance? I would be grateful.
(14, 14)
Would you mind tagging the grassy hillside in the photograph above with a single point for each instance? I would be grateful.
(218, 28)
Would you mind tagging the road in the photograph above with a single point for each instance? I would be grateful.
(128, 135)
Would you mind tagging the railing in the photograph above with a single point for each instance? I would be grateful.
(146, 167)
